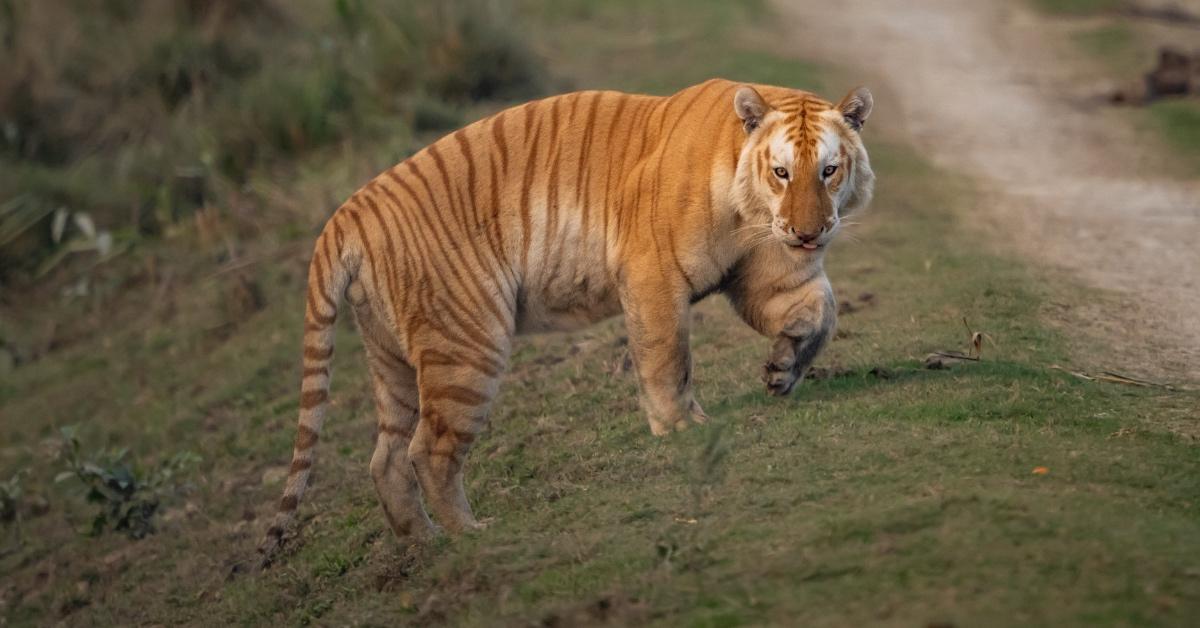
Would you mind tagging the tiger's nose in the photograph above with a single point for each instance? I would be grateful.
(806, 236)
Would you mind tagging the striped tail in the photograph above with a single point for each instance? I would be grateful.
(328, 277)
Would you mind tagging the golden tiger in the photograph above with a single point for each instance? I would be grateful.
(559, 213)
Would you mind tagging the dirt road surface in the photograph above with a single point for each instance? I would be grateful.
(992, 89)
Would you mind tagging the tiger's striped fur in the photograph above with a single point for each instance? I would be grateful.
(558, 213)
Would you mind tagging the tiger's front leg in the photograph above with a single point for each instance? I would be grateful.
(656, 318)
(800, 320)
(797, 345)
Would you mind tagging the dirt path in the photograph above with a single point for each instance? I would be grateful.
(990, 89)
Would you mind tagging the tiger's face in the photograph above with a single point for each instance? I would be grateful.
(803, 165)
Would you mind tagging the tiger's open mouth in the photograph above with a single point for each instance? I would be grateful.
(807, 246)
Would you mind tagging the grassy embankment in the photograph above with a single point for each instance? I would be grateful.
(883, 493)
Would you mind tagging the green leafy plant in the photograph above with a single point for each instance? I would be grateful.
(126, 495)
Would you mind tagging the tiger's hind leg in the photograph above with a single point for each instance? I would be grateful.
(457, 387)
(395, 386)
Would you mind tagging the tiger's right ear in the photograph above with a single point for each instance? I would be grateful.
(750, 107)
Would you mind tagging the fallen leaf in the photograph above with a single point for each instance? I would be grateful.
(1040, 470)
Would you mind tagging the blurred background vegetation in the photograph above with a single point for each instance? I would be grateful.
(186, 104)
(146, 146)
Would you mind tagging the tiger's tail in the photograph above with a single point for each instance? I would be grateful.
(329, 274)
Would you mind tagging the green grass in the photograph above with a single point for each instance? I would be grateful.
(1126, 52)
(1178, 121)
(661, 47)
(1109, 40)
(1077, 7)
(1116, 45)
(199, 99)
(887, 494)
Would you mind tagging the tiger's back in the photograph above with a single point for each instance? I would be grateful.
(539, 203)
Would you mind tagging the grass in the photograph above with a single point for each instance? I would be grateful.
(1116, 45)
(884, 494)
(1078, 7)
(198, 99)
(1126, 51)
(1178, 121)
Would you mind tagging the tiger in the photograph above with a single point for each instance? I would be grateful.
(559, 213)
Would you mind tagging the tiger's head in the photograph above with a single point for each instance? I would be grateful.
(802, 165)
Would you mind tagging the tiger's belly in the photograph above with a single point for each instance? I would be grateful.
(572, 297)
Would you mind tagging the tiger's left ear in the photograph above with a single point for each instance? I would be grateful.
(856, 107)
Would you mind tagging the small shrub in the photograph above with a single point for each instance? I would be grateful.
(15, 506)
(126, 496)
(11, 492)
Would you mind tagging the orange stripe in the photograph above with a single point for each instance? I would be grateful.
(452, 203)
(401, 401)
(608, 168)
(319, 275)
(389, 271)
(448, 294)
(465, 146)
(310, 399)
(498, 135)
(459, 394)
(495, 227)
(581, 183)
(433, 357)
(477, 294)
(473, 330)
(526, 183)
(407, 233)
(339, 236)
(395, 430)
(321, 320)
(305, 438)
(365, 240)
(551, 195)
(318, 353)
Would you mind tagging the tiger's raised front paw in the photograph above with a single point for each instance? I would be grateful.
(780, 378)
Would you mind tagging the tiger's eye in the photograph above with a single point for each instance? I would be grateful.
(782, 173)
(829, 170)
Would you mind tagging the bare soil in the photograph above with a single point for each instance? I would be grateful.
(996, 91)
